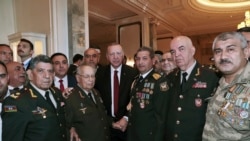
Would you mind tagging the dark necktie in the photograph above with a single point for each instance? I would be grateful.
(16, 89)
(61, 85)
(139, 80)
(48, 99)
(90, 97)
(184, 80)
(116, 92)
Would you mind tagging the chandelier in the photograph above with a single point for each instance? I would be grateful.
(246, 22)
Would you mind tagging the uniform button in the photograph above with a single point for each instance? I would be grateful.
(181, 96)
(177, 122)
(63, 135)
(60, 125)
(101, 118)
(179, 109)
(57, 114)
(150, 133)
(176, 135)
(105, 128)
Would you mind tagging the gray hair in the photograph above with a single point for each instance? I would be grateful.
(39, 58)
(231, 35)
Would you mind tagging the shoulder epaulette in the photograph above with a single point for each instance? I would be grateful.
(15, 95)
(156, 76)
(31, 93)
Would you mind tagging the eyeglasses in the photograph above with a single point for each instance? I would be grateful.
(86, 76)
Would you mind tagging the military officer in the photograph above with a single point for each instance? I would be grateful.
(36, 112)
(84, 108)
(192, 86)
(148, 101)
(227, 116)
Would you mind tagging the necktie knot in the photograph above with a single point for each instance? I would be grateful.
(16, 89)
(61, 85)
(184, 75)
(90, 97)
(140, 79)
(184, 80)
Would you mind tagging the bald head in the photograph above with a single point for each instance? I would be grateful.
(182, 49)
(17, 75)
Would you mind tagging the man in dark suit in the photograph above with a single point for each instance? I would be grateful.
(192, 87)
(77, 60)
(91, 57)
(114, 102)
(25, 50)
(36, 112)
(148, 104)
(84, 108)
(60, 65)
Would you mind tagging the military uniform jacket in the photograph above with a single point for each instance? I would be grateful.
(88, 118)
(228, 113)
(187, 108)
(27, 116)
(147, 109)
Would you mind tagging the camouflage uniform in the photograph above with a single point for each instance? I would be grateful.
(228, 113)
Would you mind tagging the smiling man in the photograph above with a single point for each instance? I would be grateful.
(228, 110)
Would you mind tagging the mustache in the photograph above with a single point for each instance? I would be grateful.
(222, 61)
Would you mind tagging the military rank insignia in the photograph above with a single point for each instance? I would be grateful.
(40, 111)
(15, 95)
(10, 108)
(83, 110)
(156, 76)
(164, 86)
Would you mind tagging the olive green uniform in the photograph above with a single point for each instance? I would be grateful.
(89, 118)
(28, 116)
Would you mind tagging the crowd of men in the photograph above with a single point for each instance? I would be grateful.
(166, 97)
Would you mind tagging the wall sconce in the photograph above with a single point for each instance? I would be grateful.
(246, 22)
(130, 62)
(38, 40)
